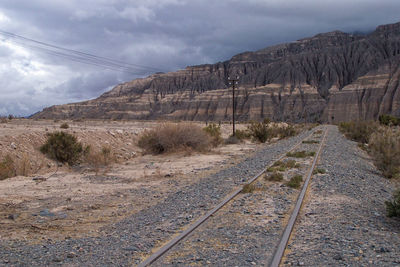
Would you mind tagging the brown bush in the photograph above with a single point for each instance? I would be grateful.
(7, 168)
(99, 159)
(64, 126)
(359, 131)
(384, 146)
(172, 137)
(214, 131)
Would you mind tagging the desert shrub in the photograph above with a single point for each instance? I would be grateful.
(319, 171)
(259, 131)
(173, 137)
(275, 176)
(384, 147)
(7, 168)
(232, 140)
(266, 121)
(359, 131)
(3, 120)
(287, 131)
(301, 154)
(24, 166)
(283, 165)
(248, 188)
(64, 126)
(393, 207)
(214, 131)
(389, 120)
(10, 117)
(295, 181)
(242, 134)
(62, 147)
(99, 159)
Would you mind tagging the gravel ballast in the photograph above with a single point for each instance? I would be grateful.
(343, 223)
(130, 240)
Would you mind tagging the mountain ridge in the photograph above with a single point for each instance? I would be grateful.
(328, 77)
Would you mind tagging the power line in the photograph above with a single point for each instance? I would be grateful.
(78, 56)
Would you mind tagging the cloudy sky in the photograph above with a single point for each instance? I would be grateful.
(165, 35)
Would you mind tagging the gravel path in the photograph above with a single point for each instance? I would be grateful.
(133, 238)
(247, 230)
(344, 222)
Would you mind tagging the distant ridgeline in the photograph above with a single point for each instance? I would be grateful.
(330, 77)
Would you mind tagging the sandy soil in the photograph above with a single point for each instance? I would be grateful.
(55, 202)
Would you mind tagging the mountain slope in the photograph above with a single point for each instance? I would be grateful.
(333, 76)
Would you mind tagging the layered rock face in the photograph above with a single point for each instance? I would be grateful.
(330, 77)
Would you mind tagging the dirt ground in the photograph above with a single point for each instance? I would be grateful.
(53, 201)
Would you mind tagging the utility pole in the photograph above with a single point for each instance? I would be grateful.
(233, 81)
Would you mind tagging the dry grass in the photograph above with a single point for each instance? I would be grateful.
(64, 126)
(7, 168)
(393, 206)
(283, 165)
(98, 160)
(295, 181)
(359, 131)
(173, 137)
(319, 171)
(384, 146)
(275, 177)
(301, 154)
(248, 188)
(214, 131)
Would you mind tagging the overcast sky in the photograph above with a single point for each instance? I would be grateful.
(164, 34)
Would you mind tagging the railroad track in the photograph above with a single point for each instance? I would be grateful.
(281, 245)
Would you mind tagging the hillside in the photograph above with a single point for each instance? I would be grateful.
(330, 77)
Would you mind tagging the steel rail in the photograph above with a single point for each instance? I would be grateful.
(289, 227)
(165, 248)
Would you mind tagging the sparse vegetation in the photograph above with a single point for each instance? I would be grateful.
(319, 171)
(214, 131)
(62, 147)
(283, 165)
(275, 177)
(3, 120)
(248, 188)
(99, 159)
(7, 168)
(264, 131)
(260, 131)
(310, 142)
(393, 206)
(242, 134)
(64, 126)
(301, 154)
(318, 132)
(232, 140)
(295, 181)
(389, 120)
(359, 131)
(287, 131)
(384, 146)
(174, 137)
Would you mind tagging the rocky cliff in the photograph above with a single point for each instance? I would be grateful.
(332, 76)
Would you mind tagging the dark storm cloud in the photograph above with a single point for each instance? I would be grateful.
(169, 35)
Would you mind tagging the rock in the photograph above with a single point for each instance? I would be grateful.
(13, 216)
(119, 131)
(314, 79)
(46, 213)
(13, 145)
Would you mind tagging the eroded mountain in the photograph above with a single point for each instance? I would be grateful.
(330, 77)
